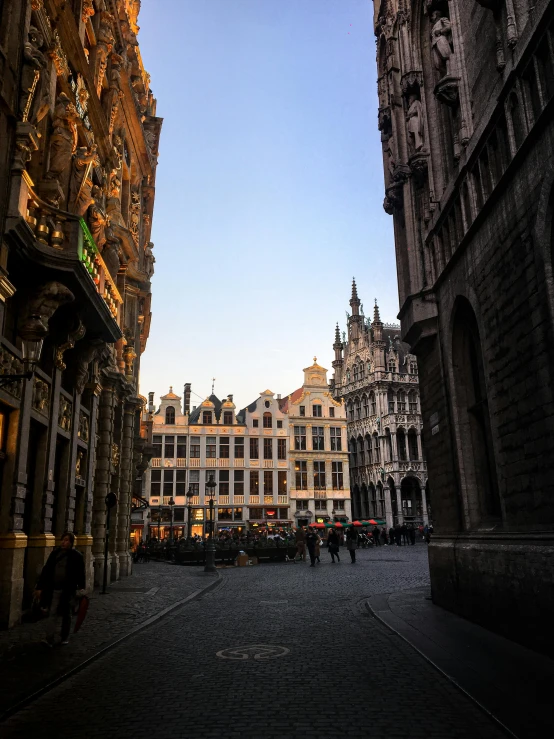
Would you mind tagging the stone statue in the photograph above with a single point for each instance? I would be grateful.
(414, 118)
(87, 352)
(40, 307)
(111, 252)
(98, 220)
(80, 197)
(63, 141)
(112, 98)
(35, 79)
(441, 39)
(104, 44)
(149, 259)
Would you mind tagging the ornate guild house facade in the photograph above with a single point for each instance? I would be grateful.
(78, 159)
(466, 96)
(377, 377)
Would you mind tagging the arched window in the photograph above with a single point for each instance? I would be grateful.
(361, 456)
(412, 445)
(353, 455)
(388, 446)
(267, 421)
(356, 375)
(170, 415)
(390, 399)
(376, 449)
(475, 448)
(401, 445)
(518, 122)
(402, 402)
(365, 406)
(368, 449)
(392, 365)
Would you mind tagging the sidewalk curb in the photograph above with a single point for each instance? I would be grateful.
(24, 702)
(450, 679)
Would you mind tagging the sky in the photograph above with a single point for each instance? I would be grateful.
(269, 190)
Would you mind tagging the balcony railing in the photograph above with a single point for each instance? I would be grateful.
(239, 499)
(156, 462)
(254, 500)
(211, 462)
(194, 462)
(224, 499)
(181, 462)
(282, 499)
(268, 463)
(238, 462)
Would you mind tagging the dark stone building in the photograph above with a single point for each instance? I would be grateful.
(466, 116)
(78, 155)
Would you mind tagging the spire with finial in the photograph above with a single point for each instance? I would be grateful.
(354, 300)
(338, 341)
(376, 315)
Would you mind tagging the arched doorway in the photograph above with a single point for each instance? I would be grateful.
(356, 502)
(411, 501)
(364, 503)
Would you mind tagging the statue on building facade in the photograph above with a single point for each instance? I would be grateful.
(441, 40)
(81, 179)
(35, 79)
(98, 220)
(63, 141)
(104, 44)
(414, 119)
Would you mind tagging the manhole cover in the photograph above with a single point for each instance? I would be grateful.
(253, 651)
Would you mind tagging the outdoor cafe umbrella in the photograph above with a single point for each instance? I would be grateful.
(372, 522)
(330, 525)
(318, 525)
(356, 523)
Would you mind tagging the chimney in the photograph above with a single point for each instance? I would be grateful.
(187, 399)
(151, 402)
(193, 407)
(278, 396)
(230, 398)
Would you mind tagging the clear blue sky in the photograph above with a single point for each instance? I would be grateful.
(269, 189)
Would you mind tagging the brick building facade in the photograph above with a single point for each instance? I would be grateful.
(466, 118)
(78, 155)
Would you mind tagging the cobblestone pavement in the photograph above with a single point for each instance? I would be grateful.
(330, 668)
(26, 665)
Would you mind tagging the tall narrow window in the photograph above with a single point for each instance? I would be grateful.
(300, 437)
(239, 447)
(268, 448)
(254, 482)
(254, 449)
(169, 447)
(331, 412)
(301, 474)
(268, 421)
(228, 418)
(302, 410)
(181, 447)
(239, 482)
(317, 411)
(180, 484)
(210, 447)
(373, 404)
(281, 483)
(157, 444)
(337, 475)
(412, 445)
(224, 447)
(281, 448)
(223, 482)
(336, 439)
(170, 415)
(268, 482)
(319, 475)
(207, 417)
(390, 401)
(318, 439)
(195, 447)
(401, 445)
(155, 482)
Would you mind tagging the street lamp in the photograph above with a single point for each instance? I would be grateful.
(333, 514)
(31, 346)
(171, 504)
(160, 509)
(210, 546)
(190, 496)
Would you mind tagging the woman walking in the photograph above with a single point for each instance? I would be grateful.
(317, 550)
(333, 543)
(352, 543)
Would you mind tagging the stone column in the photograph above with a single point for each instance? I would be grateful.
(424, 506)
(115, 485)
(388, 506)
(103, 477)
(125, 490)
(419, 448)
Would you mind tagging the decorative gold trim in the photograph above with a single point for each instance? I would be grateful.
(15, 540)
(84, 540)
(41, 540)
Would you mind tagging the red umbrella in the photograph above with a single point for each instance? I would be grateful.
(318, 525)
(372, 521)
(356, 523)
(338, 525)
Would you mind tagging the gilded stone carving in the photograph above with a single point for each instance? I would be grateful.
(104, 44)
(134, 215)
(35, 79)
(41, 396)
(114, 94)
(63, 141)
(64, 414)
(83, 431)
(98, 219)
(11, 365)
(58, 56)
(41, 307)
(87, 10)
(115, 455)
(85, 159)
(72, 337)
(79, 466)
(87, 353)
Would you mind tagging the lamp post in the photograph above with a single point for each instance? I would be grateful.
(159, 522)
(210, 546)
(171, 504)
(333, 514)
(190, 496)
(31, 346)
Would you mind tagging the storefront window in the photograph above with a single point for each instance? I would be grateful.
(225, 514)
(238, 514)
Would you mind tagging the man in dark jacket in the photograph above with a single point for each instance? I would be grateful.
(311, 541)
(61, 577)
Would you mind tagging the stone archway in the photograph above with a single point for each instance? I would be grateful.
(411, 500)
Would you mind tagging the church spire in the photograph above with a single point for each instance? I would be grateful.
(354, 300)
(376, 315)
(338, 342)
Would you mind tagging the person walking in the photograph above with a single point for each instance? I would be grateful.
(411, 532)
(318, 548)
(392, 535)
(404, 531)
(300, 537)
(333, 544)
(62, 578)
(398, 535)
(384, 536)
(376, 536)
(311, 541)
(352, 543)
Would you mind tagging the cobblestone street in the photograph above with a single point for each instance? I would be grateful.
(330, 665)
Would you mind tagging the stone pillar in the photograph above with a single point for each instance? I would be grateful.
(388, 506)
(83, 518)
(419, 448)
(125, 490)
(394, 447)
(115, 484)
(103, 475)
(424, 506)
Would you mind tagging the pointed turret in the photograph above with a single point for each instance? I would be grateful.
(378, 343)
(355, 300)
(338, 362)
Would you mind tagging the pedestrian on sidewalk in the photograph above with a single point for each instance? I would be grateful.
(311, 541)
(62, 578)
(300, 537)
(377, 536)
(411, 531)
(392, 535)
(398, 535)
(352, 543)
(333, 544)
(318, 548)
(384, 536)
(404, 530)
